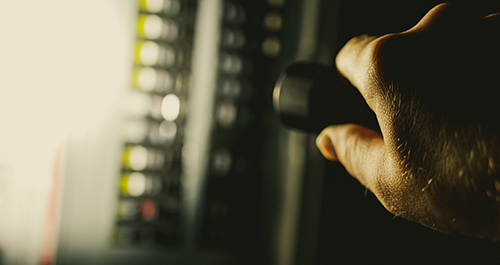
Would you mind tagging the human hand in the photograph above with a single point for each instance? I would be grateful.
(432, 88)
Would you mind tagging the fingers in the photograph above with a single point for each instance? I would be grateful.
(363, 154)
(447, 17)
(359, 60)
(360, 150)
(355, 62)
(437, 17)
(492, 23)
(493, 16)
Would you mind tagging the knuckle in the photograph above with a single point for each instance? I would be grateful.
(358, 39)
(391, 188)
(391, 196)
(398, 57)
(386, 52)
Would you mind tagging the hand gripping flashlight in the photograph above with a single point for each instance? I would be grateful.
(311, 96)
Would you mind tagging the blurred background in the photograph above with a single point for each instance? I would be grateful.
(142, 132)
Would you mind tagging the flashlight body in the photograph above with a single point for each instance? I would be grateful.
(312, 96)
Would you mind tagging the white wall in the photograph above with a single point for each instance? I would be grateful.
(63, 67)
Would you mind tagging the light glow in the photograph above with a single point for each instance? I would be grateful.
(136, 184)
(147, 79)
(271, 47)
(64, 70)
(170, 107)
(153, 27)
(138, 158)
(230, 63)
(154, 6)
(147, 210)
(226, 114)
(149, 53)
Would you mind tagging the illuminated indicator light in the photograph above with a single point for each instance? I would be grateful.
(237, 64)
(150, 26)
(154, 27)
(222, 161)
(147, 210)
(272, 21)
(123, 184)
(149, 53)
(170, 107)
(230, 63)
(226, 114)
(150, 79)
(169, 7)
(136, 184)
(232, 38)
(147, 79)
(153, 6)
(135, 157)
(271, 47)
(233, 13)
(139, 158)
(230, 88)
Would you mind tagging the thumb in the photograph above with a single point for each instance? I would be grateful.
(360, 150)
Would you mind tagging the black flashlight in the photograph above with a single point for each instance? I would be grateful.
(311, 96)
